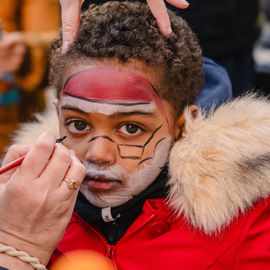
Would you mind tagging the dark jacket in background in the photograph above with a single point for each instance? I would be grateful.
(224, 27)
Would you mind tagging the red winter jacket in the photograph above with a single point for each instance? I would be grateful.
(156, 240)
(217, 214)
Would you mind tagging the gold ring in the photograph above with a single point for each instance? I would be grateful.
(72, 184)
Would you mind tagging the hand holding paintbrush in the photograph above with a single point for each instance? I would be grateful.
(18, 161)
(36, 201)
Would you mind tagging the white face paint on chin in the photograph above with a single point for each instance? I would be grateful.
(131, 183)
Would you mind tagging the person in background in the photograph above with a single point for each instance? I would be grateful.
(27, 27)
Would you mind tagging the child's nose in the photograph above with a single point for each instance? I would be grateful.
(102, 150)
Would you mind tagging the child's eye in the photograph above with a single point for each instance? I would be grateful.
(77, 126)
(130, 129)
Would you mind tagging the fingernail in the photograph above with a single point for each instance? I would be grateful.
(65, 46)
(185, 3)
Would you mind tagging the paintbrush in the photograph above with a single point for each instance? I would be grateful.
(19, 160)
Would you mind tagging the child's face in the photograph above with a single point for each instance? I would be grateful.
(118, 127)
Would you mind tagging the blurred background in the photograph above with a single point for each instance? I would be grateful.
(261, 50)
(27, 27)
(234, 33)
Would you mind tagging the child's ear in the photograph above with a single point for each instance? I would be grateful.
(180, 122)
(193, 110)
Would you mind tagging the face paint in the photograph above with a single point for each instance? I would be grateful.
(128, 151)
(109, 90)
(122, 185)
(106, 95)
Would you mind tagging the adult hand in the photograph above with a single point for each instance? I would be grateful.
(159, 11)
(12, 51)
(70, 10)
(35, 201)
(70, 14)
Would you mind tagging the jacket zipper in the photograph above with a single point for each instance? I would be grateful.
(110, 249)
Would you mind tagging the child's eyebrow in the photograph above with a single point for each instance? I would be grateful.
(75, 109)
(125, 114)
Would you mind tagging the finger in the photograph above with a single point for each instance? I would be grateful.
(178, 3)
(14, 152)
(56, 168)
(19, 49)
(76, 172)
(12, 39)
(37, 158)
(159, 11)
(70, 13)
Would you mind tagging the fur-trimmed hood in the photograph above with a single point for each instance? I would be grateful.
(219, 169)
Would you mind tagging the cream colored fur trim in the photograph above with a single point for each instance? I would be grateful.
(29, 132)
(222, 164)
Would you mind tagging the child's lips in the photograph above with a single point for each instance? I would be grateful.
(101, 183)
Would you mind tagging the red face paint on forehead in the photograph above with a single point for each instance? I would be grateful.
(109, 85)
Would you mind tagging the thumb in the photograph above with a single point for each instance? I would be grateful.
(70, 14)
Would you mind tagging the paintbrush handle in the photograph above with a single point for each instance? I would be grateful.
(12, 164)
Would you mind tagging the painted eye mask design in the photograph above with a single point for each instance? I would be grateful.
(137, 151)
(110, 91)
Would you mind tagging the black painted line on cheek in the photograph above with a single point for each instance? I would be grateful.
(144, 161)
(153, 151)
(131, 145)
(128, 157)
(153, 134)
(104, 137)
(143, 146)
(162, 139)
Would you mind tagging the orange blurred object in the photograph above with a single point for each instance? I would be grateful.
(83, 260)
(4, 85)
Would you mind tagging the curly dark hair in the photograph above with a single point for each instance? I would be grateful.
(128, 30)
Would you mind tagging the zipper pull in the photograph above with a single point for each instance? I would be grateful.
(110, 254)
(113, 231)
(112, 248)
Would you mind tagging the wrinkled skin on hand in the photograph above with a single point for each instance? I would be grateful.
(35, 201)
(71, 17)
